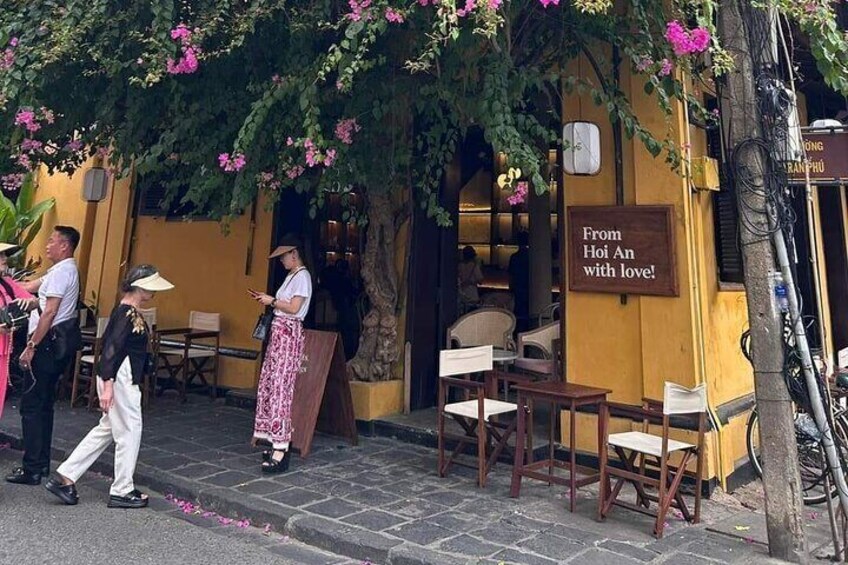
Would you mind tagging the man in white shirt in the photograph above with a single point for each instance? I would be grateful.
(53, 339)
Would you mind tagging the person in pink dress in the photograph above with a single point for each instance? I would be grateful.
(10, 291)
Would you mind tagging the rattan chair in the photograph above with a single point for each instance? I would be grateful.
(485, 326)
(536, 351)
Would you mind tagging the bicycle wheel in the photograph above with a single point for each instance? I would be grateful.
(811, 463)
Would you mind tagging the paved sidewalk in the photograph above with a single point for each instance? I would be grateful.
(382, 500)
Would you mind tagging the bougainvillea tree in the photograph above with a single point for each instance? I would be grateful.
(219, 100)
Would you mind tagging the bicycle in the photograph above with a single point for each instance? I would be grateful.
(811, 462)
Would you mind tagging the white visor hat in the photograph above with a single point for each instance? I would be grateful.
(153, 283)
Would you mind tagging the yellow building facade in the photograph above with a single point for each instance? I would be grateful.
(631, 347)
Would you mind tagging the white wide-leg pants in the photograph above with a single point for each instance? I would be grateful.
(123, 425)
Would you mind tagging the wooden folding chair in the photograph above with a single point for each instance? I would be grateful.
(85, 368)
(642, 453)
(477, 416)
(193, 358)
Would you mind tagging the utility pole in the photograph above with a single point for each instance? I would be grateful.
(741, 122)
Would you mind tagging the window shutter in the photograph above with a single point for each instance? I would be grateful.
(725, 214)
(728, 249)
(151, 195)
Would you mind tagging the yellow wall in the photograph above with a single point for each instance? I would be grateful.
(207, 268)
(69, 210)
(634, 348)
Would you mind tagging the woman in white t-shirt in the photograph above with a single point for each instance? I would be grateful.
(283, 356)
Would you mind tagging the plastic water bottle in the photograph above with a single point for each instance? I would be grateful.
(780, 292)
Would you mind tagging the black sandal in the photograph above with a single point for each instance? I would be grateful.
(272, 466)
(135, 499)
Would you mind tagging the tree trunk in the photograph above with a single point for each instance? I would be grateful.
(741, 122)
(378, 343)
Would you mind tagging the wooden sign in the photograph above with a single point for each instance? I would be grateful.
(322, 396)
(827, 157)
(622, 250)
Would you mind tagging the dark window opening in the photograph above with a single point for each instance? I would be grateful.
(725, 211)
(152, 195)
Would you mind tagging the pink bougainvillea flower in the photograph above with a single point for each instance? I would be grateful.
(311, 153)
(13, 42)
(10, 183)
(644, 64)
(393, 17)
(546, 3)
(345, 129)
(685, 42)
(358, 10)
(295, 172)
(188, 62)
(26, 118)
(8, 59)
(232, 164)
(243, 523)
(31, 145)
(665, 68)
(330, 158)
(495, 4)
(181, 33)
(467, 9)
(519, 195)
(289, 141)
(700, 40)
(47, 115)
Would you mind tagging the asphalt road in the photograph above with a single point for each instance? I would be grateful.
(37, 529)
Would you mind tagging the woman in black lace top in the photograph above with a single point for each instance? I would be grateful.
(122, 363)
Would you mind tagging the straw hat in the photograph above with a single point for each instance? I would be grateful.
(9, 248)
(287, 243)
(152, 283)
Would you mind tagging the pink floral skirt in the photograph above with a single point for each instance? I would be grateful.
(5, 353)
(276, 382)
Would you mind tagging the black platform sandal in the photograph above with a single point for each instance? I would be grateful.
(135, 499)
(272, 466)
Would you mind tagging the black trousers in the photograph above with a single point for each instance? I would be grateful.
(37, 409)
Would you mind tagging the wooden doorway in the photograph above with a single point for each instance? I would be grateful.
(832, 212)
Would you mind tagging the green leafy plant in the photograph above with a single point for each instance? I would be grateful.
(20, 223)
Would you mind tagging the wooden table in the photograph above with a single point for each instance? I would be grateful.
(558, 394)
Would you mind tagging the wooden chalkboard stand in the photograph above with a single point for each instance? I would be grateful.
(322, 397)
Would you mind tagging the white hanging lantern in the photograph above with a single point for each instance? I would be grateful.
(582, 148)
(94, 185)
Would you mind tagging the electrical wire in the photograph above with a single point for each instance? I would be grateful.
(764, 197)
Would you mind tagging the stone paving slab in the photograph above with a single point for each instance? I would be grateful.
(382, 500)
(751, 527)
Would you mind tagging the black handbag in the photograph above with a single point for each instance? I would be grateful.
(14, 317)
(263, 325)
(66, 339)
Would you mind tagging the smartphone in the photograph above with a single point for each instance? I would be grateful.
(253, 292)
